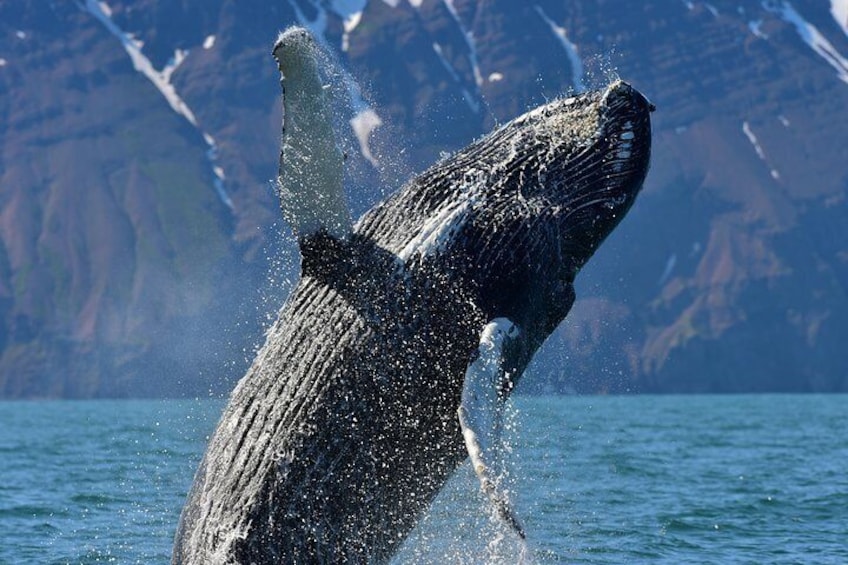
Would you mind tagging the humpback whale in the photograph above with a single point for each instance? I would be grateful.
(392, 358)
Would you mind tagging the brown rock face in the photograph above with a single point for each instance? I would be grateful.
(119, 262)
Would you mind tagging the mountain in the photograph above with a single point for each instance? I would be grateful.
(141, 247)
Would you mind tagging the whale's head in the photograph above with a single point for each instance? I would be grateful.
(545, 190)
(518, 213)
(593, 153)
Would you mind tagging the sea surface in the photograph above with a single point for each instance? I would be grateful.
(636, 479)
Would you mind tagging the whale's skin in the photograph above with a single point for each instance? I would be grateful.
(345, 426)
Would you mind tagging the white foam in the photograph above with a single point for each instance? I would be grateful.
(570, 49)
(811, 36)
(3, 62)
(21, 34)
(209, 42)
(363, 124)
(495, 77)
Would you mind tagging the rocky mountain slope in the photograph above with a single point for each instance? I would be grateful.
(141, 250)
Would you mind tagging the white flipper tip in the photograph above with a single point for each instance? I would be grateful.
(291, 45)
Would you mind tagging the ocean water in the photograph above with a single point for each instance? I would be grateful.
(639, 479)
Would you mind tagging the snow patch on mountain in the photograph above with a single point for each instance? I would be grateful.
(350, 11)
(349, 25)
(105, 8)
(669, 268)
(162, 81)
(746, 129)
(811, 35)
(570, 49)
(173, 64)
(839, 9)
(756, 28)
(469, 99)
(469, 41)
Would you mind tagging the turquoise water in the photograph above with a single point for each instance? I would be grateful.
(676, 479)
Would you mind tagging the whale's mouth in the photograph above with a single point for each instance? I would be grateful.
(598, 134)
(625, 128)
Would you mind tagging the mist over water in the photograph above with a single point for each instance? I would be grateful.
(676, 479)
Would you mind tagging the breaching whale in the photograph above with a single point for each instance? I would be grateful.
(392, 358)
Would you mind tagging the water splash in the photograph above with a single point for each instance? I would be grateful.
(462, 526)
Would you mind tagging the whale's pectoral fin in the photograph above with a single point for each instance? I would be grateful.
(310, 180)
(484, 393)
